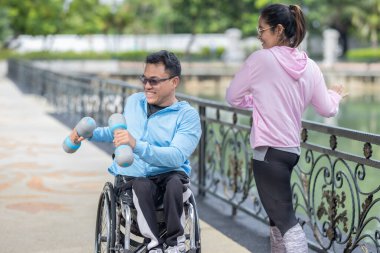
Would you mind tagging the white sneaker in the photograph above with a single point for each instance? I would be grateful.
(180, 248)
(155, 251)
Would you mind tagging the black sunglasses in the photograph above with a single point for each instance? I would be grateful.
(154, 81)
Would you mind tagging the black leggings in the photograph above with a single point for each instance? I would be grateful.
(272, 178)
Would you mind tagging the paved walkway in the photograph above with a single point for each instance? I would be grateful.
(48, 198)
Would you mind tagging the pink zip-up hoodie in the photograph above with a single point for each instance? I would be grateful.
(278, 84)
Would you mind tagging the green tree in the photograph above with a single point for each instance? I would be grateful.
(29, 17)
(84, 17)
(211, 16)
(336, 14)
(37, 17)
(33, 17)
(138, 17)
(5, 30)
(360, 19)
(366, 20)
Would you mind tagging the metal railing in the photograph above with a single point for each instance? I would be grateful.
(335, 184)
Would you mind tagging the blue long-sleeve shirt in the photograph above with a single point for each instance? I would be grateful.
(164, 141)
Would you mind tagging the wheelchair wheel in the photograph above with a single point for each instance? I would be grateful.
(192, 228)
(105, 221)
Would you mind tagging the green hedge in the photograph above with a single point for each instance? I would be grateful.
(205, 54)
(5, 54)
(364, 54)
(71, 55)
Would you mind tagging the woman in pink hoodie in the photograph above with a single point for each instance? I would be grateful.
(278, 82)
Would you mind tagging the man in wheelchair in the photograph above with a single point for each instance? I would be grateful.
(163, 132)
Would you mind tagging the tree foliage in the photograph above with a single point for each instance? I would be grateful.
(43, 17)
(27, 17)
(5, 29)
(85, 17)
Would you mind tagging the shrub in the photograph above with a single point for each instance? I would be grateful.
(364, 54)
(5, 54)
(90, 55)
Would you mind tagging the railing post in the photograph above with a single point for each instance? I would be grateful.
(101, 98)
(83, 112)
(43, 83)
(124, 96)
(202, 153)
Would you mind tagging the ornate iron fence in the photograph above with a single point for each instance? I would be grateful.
(335, 185)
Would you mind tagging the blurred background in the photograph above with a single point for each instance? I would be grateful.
(111, 38)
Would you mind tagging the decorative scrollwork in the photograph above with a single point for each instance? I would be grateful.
(235, 173)
(333, 142)
(334, 201)
(367, 150)
(360, 235)
(234, 118)
(304, 135)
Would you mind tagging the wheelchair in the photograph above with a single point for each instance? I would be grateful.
(116, 224)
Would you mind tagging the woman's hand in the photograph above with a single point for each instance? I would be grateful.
(123, 137)
(339, 88)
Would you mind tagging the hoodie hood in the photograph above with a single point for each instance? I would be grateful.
(292, 60)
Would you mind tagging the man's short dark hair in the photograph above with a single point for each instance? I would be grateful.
(170, 61)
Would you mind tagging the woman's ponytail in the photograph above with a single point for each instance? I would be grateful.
(300, 25)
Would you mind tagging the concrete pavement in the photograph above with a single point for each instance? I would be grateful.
(48, 198)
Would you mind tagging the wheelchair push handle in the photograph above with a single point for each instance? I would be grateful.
(123, 153)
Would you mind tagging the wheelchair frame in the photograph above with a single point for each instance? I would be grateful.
(116, 228)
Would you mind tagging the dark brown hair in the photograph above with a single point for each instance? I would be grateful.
(290, 17)
(169, 59)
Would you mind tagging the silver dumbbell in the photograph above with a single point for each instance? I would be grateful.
(123, 153)
(84, 128)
